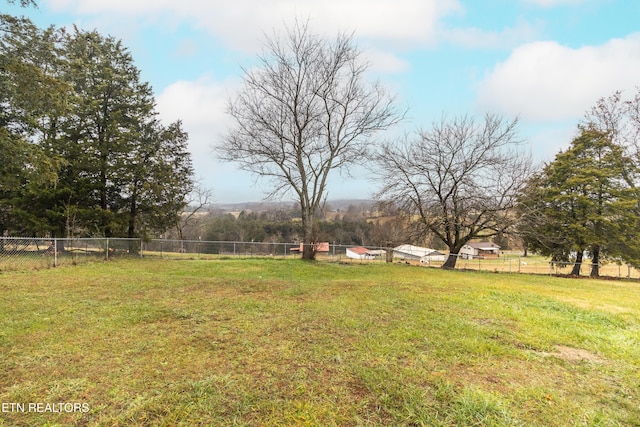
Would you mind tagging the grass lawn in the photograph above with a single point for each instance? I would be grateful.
(285, 342)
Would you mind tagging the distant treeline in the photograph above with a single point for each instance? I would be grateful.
(356, 225)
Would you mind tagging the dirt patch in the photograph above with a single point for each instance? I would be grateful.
(571, 354)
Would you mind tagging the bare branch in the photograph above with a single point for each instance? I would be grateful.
(304, 112)
(459, 178)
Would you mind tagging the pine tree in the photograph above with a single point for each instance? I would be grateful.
(582, 201)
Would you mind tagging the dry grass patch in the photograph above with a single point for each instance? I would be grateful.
(571, 354)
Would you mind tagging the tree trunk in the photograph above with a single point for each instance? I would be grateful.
(60, 246)
(133, 212)
(309, 251)
(308, 241)
(578, 264)
(104, 202)
(450, 263)
(595, 262)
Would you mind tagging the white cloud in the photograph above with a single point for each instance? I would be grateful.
(385, 62)
(547, 81)
(241, 24)
(201, 106)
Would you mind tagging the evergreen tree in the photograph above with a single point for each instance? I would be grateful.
(86, 153)
(32, 98)
(157, 179)
(582, 201)
(126, 170)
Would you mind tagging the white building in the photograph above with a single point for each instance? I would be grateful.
(418, 253)
(360, 252)
(480, 249)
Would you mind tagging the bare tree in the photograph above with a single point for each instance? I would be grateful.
(305, 111)
(460, 179)
(619, 119)
(197, 203)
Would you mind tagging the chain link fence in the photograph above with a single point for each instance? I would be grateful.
(516, 263)
(214, 249)
(196, 249)
(18, 253)
(34, 253)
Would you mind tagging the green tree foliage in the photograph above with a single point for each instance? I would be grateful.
(251, 227)
(157, 179)
(279, 227)
(76, 116)
(32, 96)
(27, 90)
(583, 201)
(128, 170)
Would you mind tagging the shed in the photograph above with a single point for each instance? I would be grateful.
(480, 250)
(360, 252)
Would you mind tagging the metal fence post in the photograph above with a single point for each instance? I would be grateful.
(106, 252)
(55, 252)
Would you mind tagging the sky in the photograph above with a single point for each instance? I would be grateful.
(543, 61)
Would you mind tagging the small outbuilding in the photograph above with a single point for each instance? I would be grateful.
(480, 250)
(360, 252)
(418, 253)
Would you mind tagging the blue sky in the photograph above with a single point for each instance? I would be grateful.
(545, 61)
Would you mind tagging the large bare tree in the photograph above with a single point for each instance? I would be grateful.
(459, 180)
(305, 111)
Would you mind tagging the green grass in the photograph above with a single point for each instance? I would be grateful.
(285, 342)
